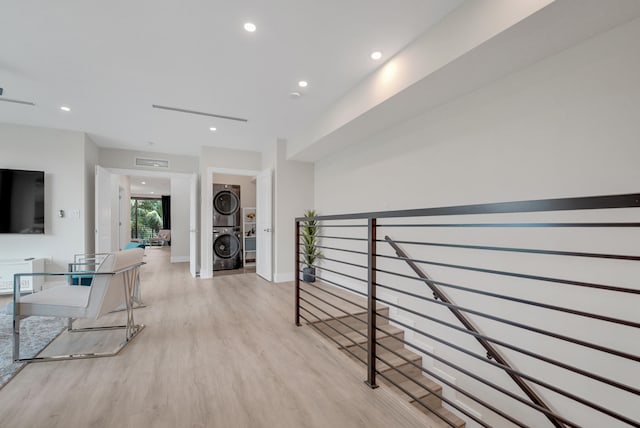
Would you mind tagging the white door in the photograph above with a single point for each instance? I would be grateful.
(264, 226)
(124, 209)
(193, 227)
(104, 220)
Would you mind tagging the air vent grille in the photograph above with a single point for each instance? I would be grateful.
(154, 163)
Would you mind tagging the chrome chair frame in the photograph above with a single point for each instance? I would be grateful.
(94, 260)
(130, 276)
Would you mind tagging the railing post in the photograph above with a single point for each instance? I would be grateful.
(371, 305)
(297, 269)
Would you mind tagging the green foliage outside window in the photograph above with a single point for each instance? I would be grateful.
(146, 218)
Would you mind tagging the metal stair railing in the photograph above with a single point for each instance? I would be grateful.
(353, 262)
(492, 352)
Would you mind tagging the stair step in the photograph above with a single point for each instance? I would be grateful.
(354, 327)
(393, 360)
(345, 323)
(422, 394)
(439, 423)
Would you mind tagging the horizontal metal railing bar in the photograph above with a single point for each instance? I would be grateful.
(331, 327)
(343, 262)
(417, 400)
(346, 238)
(324, 247)
(482, 358)
(599, 225)
(539, 205)
(540, 357)
(491, 351)
(558, 336)
(336, 295)
(425, 405)
(337, 285)
(343, 347)
(528, 353)
(506, 345)
(334, 306)
(519, 275)
(519, 250)
(459, 389)
(467, 372)
(343, 225)
(346, 275)
(441, 396)
(517, 299)
(311, 323)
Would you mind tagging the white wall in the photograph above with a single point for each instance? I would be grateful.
(566, 126)
(61, 155)
(125, 159)
(180, 202)
(293, 194)
(91, 160)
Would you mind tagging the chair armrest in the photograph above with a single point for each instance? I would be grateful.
(17, 276)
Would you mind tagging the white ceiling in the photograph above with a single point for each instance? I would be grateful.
(153, 186)
(109, 61)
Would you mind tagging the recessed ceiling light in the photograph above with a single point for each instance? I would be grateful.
(303, 84)
(213, 128)
(376, 55)
(152, 192)
(65, 108)
(143, 182)
(250, 27)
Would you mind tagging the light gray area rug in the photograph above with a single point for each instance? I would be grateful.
(35, 334)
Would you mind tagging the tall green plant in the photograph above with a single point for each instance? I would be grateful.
(310, 229)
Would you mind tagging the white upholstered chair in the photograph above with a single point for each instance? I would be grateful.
(112, 287)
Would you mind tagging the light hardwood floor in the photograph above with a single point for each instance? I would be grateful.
(215, 353)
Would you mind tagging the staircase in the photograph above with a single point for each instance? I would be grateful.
(349, 332)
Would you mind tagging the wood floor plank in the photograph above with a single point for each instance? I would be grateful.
(215, 353)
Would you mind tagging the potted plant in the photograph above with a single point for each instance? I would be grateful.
(310, 253)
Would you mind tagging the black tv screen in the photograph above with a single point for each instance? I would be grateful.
(21, 201)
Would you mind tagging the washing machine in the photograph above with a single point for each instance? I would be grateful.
(227, 248)
(226, 205)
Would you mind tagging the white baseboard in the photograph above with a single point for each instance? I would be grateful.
(179, 259)
(284, 277)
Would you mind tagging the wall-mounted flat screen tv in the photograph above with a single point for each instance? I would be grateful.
(21, 201)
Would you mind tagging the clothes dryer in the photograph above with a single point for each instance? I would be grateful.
(226, 205)
(227, 248)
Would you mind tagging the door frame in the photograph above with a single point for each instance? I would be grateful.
(193, 257)
(206, 237)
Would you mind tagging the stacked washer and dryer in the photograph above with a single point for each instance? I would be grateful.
(227, 234)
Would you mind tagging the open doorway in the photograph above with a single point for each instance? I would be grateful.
(260, 231)
(162, 211)
(234, 227)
